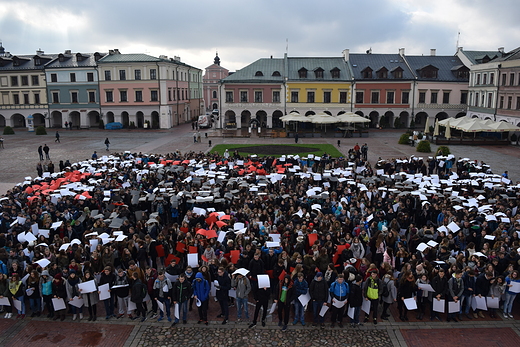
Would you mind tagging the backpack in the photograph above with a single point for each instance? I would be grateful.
(385, 292)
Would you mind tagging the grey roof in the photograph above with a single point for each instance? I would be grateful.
(265, 65)
(444, 64)
(129, 58)
(512, 55)
(312, 64)
(360, 62)
(26, 62)
(71, 60)
(476, 56)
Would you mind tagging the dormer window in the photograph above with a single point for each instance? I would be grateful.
(61, 58)
(397, 72)
(79, 57)
(16, 62)
(382, 72)
(429, 71)
(318, 73)
(335, 72)
(37, 61)
(259, 73)
(276, 74)
(302, 73)
(367, 72)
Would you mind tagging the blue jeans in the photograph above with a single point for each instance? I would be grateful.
(76, 310)
(166, 303)
(35, 304)
(465, 303)
(21, 299)
(183, 308)
(298, 311)
(316, 308)
(357, 311)
(109, 306)
(508, 302)
(242, 303)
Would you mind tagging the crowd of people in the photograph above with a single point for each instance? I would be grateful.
(152, 235)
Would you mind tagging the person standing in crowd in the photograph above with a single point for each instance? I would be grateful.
(262, 300)
(91, 299)
(283, 299)
(16, 292)
(223, 287)
(150, 277)
(57, 137)
(300, 288)
(46, 151)
(162, 292)
(440, 287)
(455, 292)
(201, 289)
(122, 292)
(40, 152)
(59, 291)
(107, 144)
(372, 292)
(71, 285)
(46, 291)
(388, 294)
(108, 277)
(355, 300)
(319, 291)
(243, 288)
(339, 290)
(407, 289)
(1, 142)
(510, 296)
(181, 293)
(364, 152)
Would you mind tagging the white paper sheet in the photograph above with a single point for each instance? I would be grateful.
(193, 260)
(273, 307)
(365, 307)
(493, 302)
(233, 293)
(264, 282)
(305, 298)
(339, 304)
(43, 262)
(58, 304)
(131, 306)
(17, 304)
(87, 287)
(104, 291)
(426, 287)
(438, 305)
(350, 312)
(515, 287)
(76, 301)
(453, 307)
(176, 311)
(161, 306)
(5, 301)
(410, 304)
(324, 310)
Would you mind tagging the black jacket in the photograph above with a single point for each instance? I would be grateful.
(482, 285)
(224, 283)
(355, 297)
(319, 290)
(440, 285)
(181, 291)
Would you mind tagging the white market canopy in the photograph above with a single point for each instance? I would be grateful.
(467, 124)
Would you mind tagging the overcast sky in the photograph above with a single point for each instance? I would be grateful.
(245, 30)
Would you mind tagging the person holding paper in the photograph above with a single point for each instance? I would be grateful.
(390, 292)
(243, 287)
(497, 290)
(372, 292)
(440, 287)
(514, 277)
(355, 300)
(319, 291)
(59, 291)
(162, 292)
(223, 287)
(32, 291)
(283, 299)
(150, 277)
(406, 290)
(108, 277)
(262, 300)
(181, 292)
(339, 290)
(46, 290)
(482, 286)
(121, 290)
(71, 284)
(424, 297)
(455, 292)
(16, 291)
(300, 288)
(90, 299)
(201, 289)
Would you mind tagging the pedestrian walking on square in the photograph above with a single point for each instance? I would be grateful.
(40, 152)
(57, 137)
(46, 150)
(2, 142)
(339, 143)
(66, 125)
(296, 137)
(107, 143)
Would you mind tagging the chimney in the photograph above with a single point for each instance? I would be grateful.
(346, 53)
(433, 51)
(401, 52)
(39, 51)
(116, 51)
(68, 51)
(459, 49)
(163, 57)
(176, 58)
(501, 50)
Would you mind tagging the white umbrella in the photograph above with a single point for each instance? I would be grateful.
(474, 126)
(427, 126)
(447, 134)
(351, 118)
(436, 129)
(323, 118)
(503, 126)
(455, 121)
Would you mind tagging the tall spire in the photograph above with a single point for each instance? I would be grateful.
(216, 60)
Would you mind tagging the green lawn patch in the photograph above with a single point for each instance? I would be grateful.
(279, 150)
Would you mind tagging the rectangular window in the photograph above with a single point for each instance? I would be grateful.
(74, 97)
(14, 81)
(509, 102)
(137, 74)
(153, 74)
(139, 96)
(518, 102)
(504, 78)
(405, 97)
(446, 97)
(108, 75)
(501, 102)
(122, 75)
(169, 95)
(109, 96)
(512, 79)
(476, 99)
(54, 77)
(490, 100)
(72, 77)
(484, 79)
(90, 76)
(327, 97)
(123, 96)
(294, 96)
(276, 96)
(26, 99)
(310, 97)
(422, 97)
(243, 96)
(25, 80)
(433, 99)
(56, 97)
(360, 97)
(478, 79)
(463, 97)
(37, 99)
(342, 97)
(390, 97)
(16, 99)
(154, 95)
(91, 96)
(375, 98)
(35, 80)
(229, 96)
(491, 78)
(258, 96)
